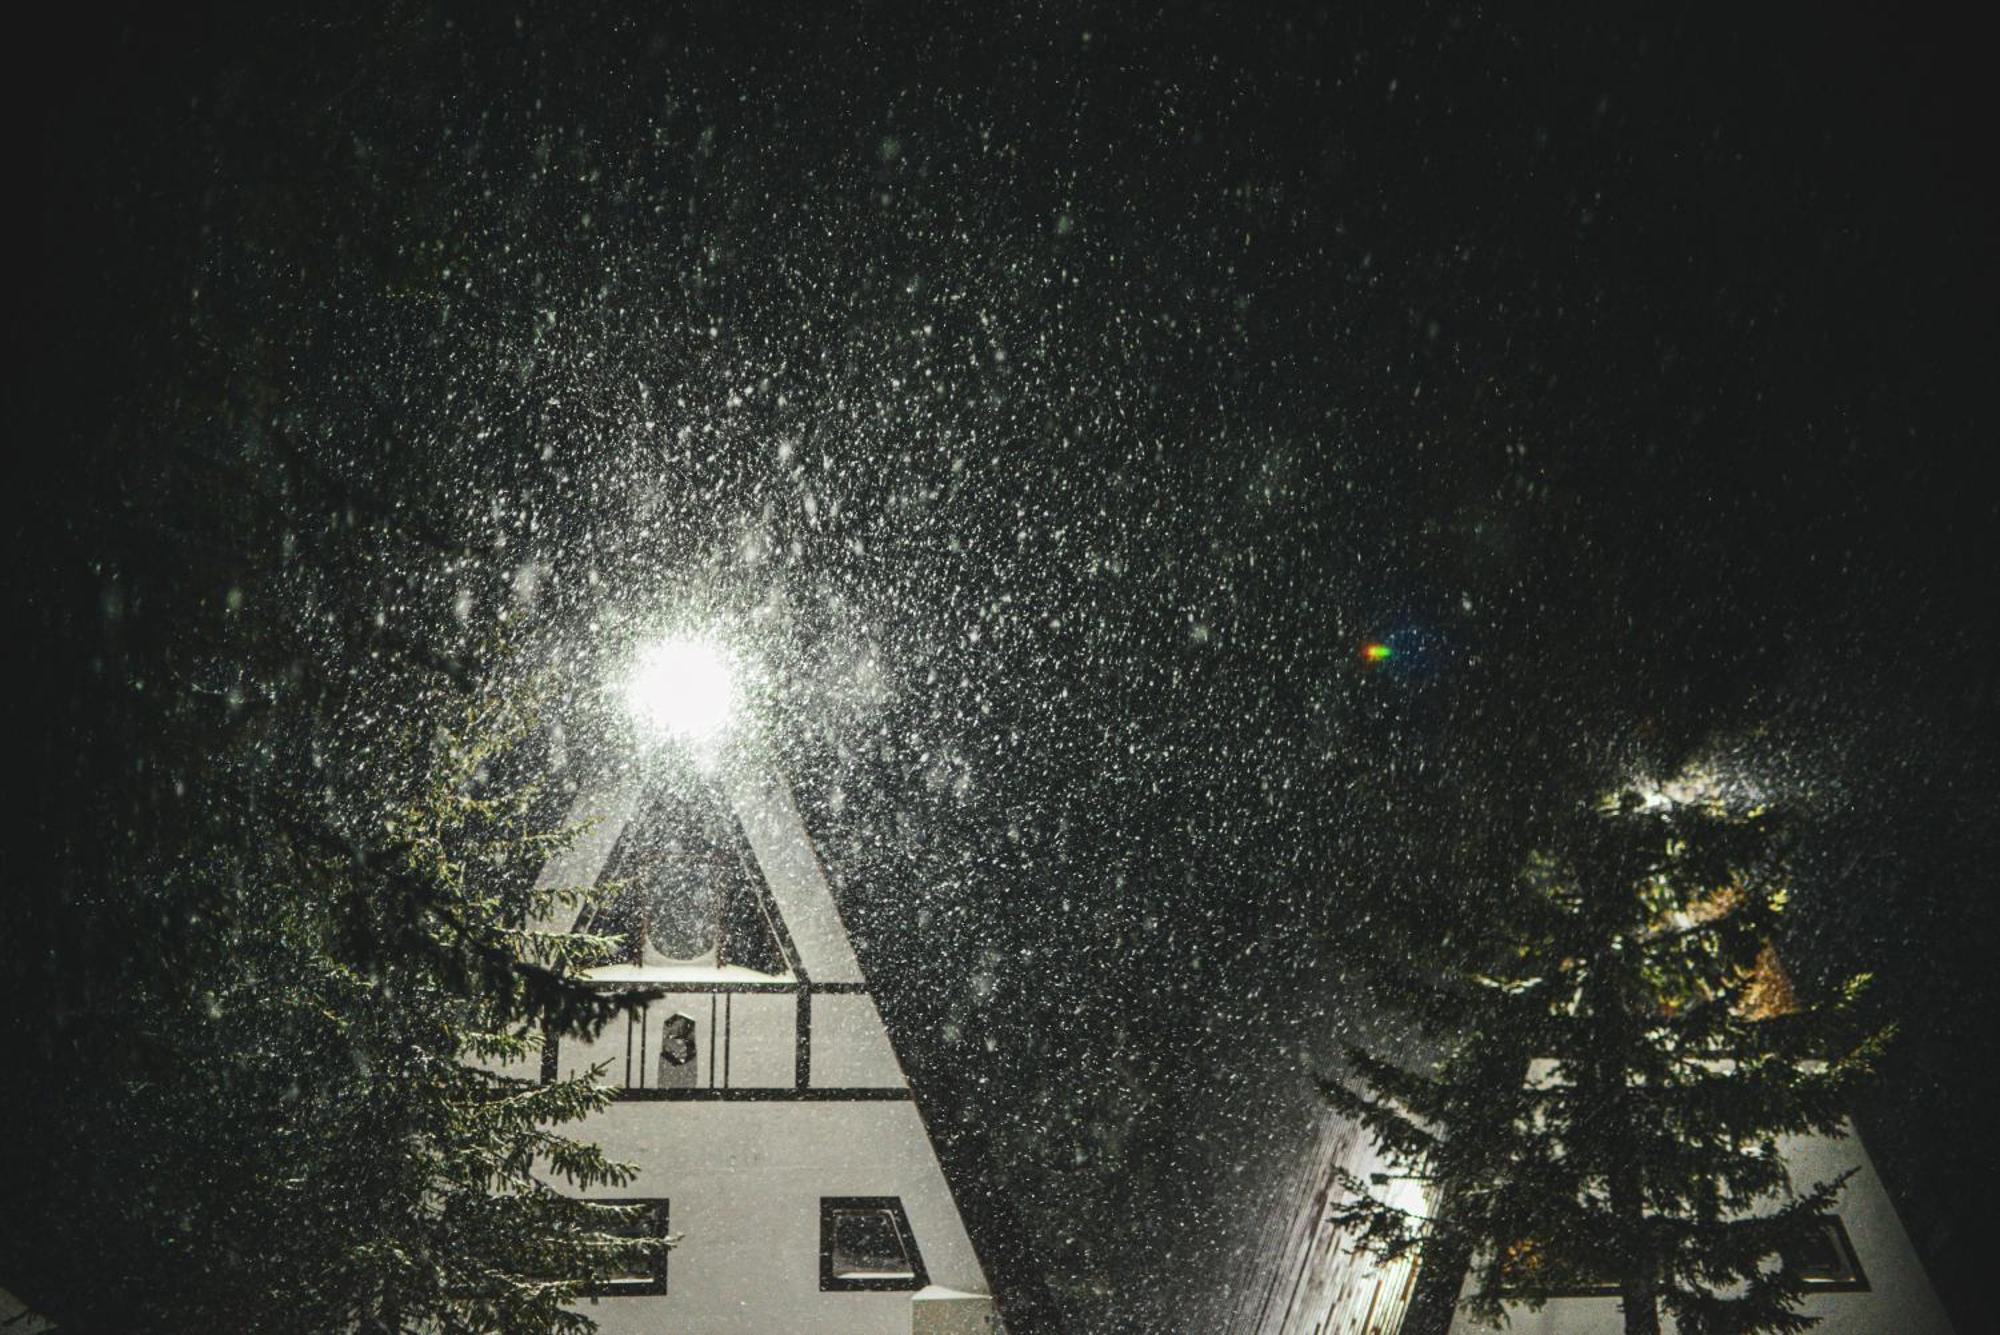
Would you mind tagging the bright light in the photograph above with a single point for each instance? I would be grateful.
(683, 687)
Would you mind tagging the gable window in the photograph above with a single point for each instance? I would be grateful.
(644, 1281)
(683, 890)
(865, 1246)
(1826, 1262)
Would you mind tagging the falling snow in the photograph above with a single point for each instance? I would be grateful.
(1191, 503)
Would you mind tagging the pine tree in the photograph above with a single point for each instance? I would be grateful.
(1619, 1073)
(311, 1106)
(270, 962)
(427, 984)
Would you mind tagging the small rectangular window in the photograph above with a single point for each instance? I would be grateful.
(1826, 1260)
(646, 1281)
(865, 1246)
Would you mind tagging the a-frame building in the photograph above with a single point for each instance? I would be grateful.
(760, 1095)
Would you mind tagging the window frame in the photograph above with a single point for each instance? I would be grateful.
(829, 1282)
(1856, 1280)
(653, 1285)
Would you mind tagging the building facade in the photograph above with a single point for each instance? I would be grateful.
(759, 1095)
(1305, 1278)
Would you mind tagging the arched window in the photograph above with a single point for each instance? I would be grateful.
(688, 889)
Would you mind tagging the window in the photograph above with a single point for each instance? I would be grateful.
(685, 889)
(1530, 1267)
(865, 1246)
(1826, 1260)
(646, 1281)
(676, 1066)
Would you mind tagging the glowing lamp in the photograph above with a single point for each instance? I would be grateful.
(683, 687)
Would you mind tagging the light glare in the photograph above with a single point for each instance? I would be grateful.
(683, 687)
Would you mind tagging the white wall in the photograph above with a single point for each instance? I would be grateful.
(850, 1046)
(1312, 1283)
(744, 1181)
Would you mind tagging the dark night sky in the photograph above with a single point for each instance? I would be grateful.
(1103, 379)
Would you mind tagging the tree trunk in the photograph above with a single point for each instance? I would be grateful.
(1642, 1315)
(1638, 1275)
(1639, 1285)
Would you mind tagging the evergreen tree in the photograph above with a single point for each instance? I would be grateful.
(316, 1108)
(1619, 1074)
(271, 961)
(395, 1166)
